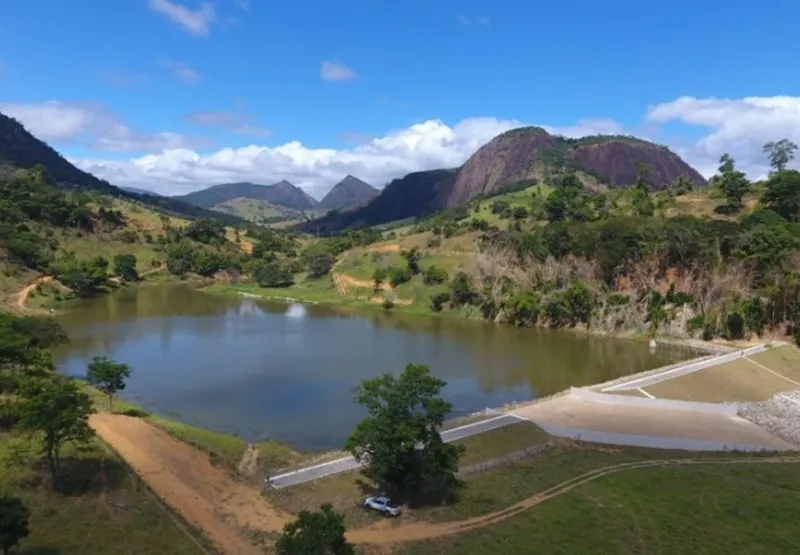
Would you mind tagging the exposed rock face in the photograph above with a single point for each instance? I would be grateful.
(348, 193)
(532, 153)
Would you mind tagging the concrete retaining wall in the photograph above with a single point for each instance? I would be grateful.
(643, 402)
(653, 442)
(686, 369)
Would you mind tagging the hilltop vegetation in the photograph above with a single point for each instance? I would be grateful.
(282, 194)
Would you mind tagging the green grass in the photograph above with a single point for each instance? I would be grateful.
(713, 509)
(87, 246)
(253, 210)
(101, 508)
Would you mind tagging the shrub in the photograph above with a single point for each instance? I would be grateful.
(434, 275)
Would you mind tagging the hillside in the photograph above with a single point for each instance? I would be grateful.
(416, 193)
(257, 211)
(532, 153)
(282, 193)
(350, 192)
(528, 154)
(19, 149)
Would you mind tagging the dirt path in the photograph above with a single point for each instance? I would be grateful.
(205, 495)
(22, 296)
(209, 498)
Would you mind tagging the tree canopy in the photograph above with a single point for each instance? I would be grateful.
(315, 533)
(399, 439)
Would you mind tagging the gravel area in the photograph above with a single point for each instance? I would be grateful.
(779, 415)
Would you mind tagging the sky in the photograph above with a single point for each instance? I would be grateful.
(177, 95)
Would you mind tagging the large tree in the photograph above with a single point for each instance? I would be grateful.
(315, 533)
(125, 267)
(14, 522)
(733, 183)
(107, 376)
(399, 439)
(782, 194)
(780, 153)
(59, 411)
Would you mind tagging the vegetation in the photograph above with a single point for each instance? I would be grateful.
(14, 522)
(399, 439)
(315, 533)
(107, 376)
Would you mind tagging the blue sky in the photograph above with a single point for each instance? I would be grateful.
(153, 92)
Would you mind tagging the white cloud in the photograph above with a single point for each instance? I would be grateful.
(467, 21)
(196, 22)
(739, 127)
(243, 4)
(232, 121)
(182, 71)
(427, 145)
(335, 71)
(91, 124)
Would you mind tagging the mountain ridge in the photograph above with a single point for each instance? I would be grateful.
(282, 193)
(350, 192)
(522, 154)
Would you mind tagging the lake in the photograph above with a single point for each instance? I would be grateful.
(286, 371)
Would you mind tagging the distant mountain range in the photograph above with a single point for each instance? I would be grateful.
(350, 192)
(138, 191)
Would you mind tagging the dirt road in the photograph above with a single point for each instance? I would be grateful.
(210, 499)
(185, 479)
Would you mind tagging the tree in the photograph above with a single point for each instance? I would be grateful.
(107, 376)
(733, 183)
(318, 260)
(399, 440)
(272, 274)
(125, 267)
(782, 194)
(58, 410)
(642, 203)
(569, 201)
(315, 533)
(412, 257)
(379, 277)
(434, 275)
(14, 522)
(780, 153)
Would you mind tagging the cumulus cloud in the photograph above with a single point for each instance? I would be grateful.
(182, 71)
(427, 145)
(231, 121)
(91, 124)
(336, 71)
(196, 22)
(739, 127)
(174, 166)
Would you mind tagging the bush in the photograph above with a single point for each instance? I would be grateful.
(272, 274)
(434, 242)
(438, 300)
(399, 275)
(434, 275)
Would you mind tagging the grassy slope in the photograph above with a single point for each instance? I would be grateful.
(250, 209)
(712, 509)
(102, 507)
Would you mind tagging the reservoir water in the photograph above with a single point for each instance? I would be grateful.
(286, 371)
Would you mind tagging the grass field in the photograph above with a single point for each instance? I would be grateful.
(101, 508)
(714, 509)
(774, 371)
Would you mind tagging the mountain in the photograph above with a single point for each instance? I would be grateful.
(138, 191)
(19, 149)
(409, 196)
(518, 155)
(282, 193)
(348, 193)
(258, 211)
(532, 153)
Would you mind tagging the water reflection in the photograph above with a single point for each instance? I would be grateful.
(266, 369)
